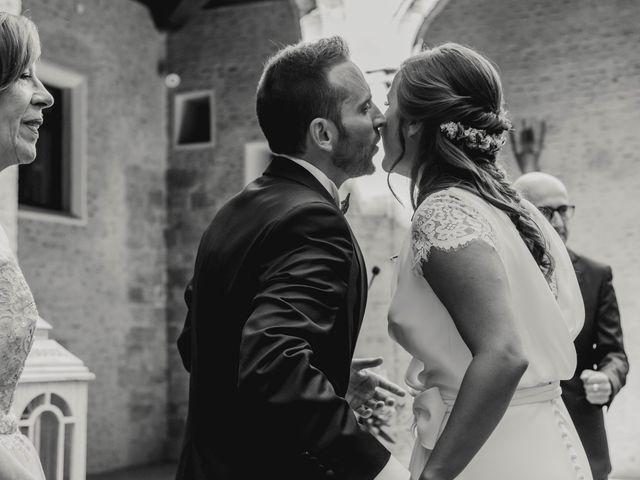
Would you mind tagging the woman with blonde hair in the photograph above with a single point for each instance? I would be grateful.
(22, 100)
(486, 302)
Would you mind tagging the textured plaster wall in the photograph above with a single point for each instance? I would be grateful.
(103, 285)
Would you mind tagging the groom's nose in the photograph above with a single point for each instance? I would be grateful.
(379, 119)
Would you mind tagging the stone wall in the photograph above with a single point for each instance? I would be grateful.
(224, 50)
(575, 64)
(103, 285)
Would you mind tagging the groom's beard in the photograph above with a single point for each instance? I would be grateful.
(354, 157)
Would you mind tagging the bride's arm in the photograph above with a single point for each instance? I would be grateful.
(473, 286)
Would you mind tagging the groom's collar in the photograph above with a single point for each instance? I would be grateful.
(328, 187)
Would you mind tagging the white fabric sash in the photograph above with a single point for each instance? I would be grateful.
(430, 408)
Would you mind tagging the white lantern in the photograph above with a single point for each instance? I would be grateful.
(51, 406)
(11, 6)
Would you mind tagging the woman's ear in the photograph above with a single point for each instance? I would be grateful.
(414, 128)
(322, 134)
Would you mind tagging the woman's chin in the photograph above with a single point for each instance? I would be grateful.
(397, 170)
(386, 164)
(25, 154)
(26, 159)
(392, 165)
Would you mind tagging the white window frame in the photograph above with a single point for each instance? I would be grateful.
(76, 85)
(65, 422)
(256, 160)
(179, 99)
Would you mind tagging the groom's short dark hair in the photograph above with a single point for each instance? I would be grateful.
(294, 89)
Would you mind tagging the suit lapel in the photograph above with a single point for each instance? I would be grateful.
(360, 283)
(577, 266)
(357, 290)
(285, 168)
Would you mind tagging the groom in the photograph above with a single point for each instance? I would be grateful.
(279, 291)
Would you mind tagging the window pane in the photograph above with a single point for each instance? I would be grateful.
(195, 126)
(68, 451)
(33, 404)
(49, 426)
(59, 402)
(40, 183)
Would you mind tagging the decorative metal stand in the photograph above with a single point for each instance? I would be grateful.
(527, 146)
(51, 406)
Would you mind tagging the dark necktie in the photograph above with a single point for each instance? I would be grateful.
(344, 204)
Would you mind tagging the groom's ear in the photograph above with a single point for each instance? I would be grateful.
(322, 134)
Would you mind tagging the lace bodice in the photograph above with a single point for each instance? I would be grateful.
(446, 222)
(18, 318)
(547, 319)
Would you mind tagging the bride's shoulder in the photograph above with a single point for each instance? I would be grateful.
(531, 208)
(450, 201)
(453, 211)
(448, 220)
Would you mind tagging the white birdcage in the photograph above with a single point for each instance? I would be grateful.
(11, 6)
(51, 406)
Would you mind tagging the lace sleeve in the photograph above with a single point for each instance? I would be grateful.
(18, 318)
(446, 222)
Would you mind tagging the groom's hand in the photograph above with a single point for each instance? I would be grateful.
(597, 386)
(369, 391)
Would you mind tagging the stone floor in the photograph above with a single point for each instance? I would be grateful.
(167, 472)
(164, 471)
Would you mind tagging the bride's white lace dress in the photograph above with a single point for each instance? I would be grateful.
(18, 317)
(535, 439)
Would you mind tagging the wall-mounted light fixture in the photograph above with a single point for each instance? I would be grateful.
(527, 142)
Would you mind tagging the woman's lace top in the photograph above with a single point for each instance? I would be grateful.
(446, 222)
(18, 318)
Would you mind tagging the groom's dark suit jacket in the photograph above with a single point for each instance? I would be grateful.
(275, 307)
(599, 346)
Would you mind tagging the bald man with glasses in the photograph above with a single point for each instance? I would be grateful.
(602, 362)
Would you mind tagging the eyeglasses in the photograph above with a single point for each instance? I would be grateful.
(565, 211)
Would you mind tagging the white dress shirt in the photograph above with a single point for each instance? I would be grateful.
(319, 175)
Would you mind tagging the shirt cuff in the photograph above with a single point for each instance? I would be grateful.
(393, 470)
(613, 380)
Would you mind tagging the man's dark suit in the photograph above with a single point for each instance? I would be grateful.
(275, 307)
(599, 347)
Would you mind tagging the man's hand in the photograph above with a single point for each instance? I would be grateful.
(369, 391)
(597, 386)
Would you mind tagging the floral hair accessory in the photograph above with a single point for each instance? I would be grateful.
(473, 138)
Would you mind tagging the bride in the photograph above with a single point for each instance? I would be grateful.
(22, 99)
(486, 302)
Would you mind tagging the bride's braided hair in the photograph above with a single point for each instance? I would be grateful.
(451, 86)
